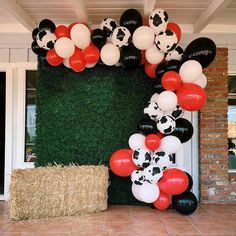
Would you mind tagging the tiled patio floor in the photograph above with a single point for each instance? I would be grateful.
(128, 220)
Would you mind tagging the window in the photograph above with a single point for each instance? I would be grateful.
(232, 123)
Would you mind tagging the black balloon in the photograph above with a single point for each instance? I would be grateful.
(130, 56)
(37, 50)
(160, 70)
(183, 130)
(34, 33)
(131, 19)
(47, 24)
(98, 38)
(147, 126)
(173, 65)
(202, 50)
(185, 203)
(190, 182)
(157, 86)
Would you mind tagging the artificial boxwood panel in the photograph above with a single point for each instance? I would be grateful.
(84, 117)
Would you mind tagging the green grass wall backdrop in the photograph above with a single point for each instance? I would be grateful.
(84, 117)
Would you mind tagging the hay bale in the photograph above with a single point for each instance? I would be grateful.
(57, 191)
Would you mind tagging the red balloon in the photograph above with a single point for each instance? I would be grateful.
(171, 80)
(160, 135)
(62, 31)
(174, 28)
(91, 54)
(150, 69)
(143, 58)
(173, 182)
(71, 25)
(162, 202)
(191, 97)
(121, 162)
(53, 59)
(152, 141)
(77, 61)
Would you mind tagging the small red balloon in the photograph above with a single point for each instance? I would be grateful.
(77, 61)
(171, 80)
(174, 28)
(62, 31)
(53, 59)
(173, 182)
(91, 54)
(121, 162)
(143, 58)
(191, 97)
(152, 141)
(162, 202)
(150, 69)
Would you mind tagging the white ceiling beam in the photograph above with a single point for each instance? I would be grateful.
(215, 7)
(81, 11)
(148, 6)
(16, 11)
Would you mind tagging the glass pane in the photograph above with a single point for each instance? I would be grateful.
(30, 115)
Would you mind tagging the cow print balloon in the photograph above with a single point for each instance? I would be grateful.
(158, 20)
(153, 173)
(121, 36)
(163, 159)
(176, 113)
(166, 41)
(176, 54)
(137, 177)
(142, 157)
(108, 25)
(166, 124)
(46, 39)
(153, 111)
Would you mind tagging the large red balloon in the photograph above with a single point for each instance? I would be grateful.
(91, 54)
(174, 28)
(152, 141)
(77, 61)
(62, 31)
(173, 182)
(171, 80)
(150, 69)
(162, 202)
(53, 59)
(191, 97)
(121, 162)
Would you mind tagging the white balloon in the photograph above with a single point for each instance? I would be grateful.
(153, 55)
(170, 144)
(176, 54)
(110, 54)
(149, 192)
(167, 100)
(66, 63)
(153, 173)
(137, 177)
(121, 36)
(154, 97)
(143, 37)
(190, 71)
(201, 81)
(137, 141)
(90, 65)
(158, 20)
(64, 47)
(135, 190)
(80, 35)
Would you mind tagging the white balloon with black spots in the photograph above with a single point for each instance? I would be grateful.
(142, 157)
(108, 25)
(153, 173)
(166, 124)
(175, 54)
(154, 97)
(46, 39)
(176, 113)
(166, 41)
(163, 159)
(153, 111)
(158, 20)
(121, 37)
(137, 177)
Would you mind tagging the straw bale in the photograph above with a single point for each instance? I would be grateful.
(57, 191)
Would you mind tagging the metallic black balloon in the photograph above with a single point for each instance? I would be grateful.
(190, 182)
(147, 126)
(160, 70)
(131, 19)
(185, 203)
(47, 24)
(157, 86)
(37, 50)
(98, 38)
(130, 56)
(34, 33)
(173, 65)
(183, 130)
(202, 50)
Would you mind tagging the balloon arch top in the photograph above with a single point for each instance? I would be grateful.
(179, 85)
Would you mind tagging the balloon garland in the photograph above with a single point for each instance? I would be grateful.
(178, 80)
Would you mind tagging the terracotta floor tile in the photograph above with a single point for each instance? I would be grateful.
(180, 228)
(171, 216)
(201, 218)
(225, 218)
